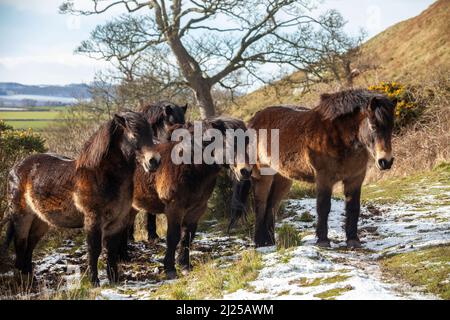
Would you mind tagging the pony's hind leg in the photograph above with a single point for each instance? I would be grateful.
(151, 228)
(280, 188)
(38, 229)
(352, 192)
(261, 187)
(22, 225)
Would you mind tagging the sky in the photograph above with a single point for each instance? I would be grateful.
(37, 43)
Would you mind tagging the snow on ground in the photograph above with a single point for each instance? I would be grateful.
(314, 273)
(303, 272)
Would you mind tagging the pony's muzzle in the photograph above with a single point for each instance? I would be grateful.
(245, 173)
(151, 161)
(384, 164)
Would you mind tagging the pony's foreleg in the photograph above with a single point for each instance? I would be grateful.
(151, 228)
(323, 201)
(94, 243)
(186, 241)
(123, 246)
(174, 217)
(126, 236)
(352, 192)
(112, 242)
(189, 228)
(131, 222)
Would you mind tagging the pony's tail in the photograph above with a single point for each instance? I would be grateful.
(241, 191)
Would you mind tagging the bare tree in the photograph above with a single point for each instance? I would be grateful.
(215, 42)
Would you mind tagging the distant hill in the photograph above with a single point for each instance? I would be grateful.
(14, 95)
(410, 49)
(67, 91)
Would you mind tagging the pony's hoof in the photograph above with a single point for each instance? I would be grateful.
(353, 244)
(170, 275)
(323, 243)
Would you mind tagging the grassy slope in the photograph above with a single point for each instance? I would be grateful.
(409, 189)
(428, 268)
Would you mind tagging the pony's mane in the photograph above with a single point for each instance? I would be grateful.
(334, 105)
(96, 147)
(154, 111)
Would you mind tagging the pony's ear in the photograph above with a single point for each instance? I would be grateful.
(373, 104)
(121, 121)
(394, 101)
(184, 108)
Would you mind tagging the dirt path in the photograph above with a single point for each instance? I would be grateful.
(308, 272)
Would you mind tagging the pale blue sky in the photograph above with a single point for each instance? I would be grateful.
(37, 43)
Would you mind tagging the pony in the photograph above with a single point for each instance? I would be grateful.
(324, 145)
(93, 191)
(163, 116)
(181, 192)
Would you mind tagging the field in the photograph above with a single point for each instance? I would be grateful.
(35, 119)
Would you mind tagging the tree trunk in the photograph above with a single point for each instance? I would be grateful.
(193, 74)
(204, 100)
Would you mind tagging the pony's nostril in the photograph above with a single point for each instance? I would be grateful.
(153, 164)
(385, 164)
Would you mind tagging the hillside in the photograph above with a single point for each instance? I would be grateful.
(68, 91)
(414, 46)
(410, 49)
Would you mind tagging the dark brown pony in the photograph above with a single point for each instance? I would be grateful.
(181, 192)
(327, 144)
(93, 191)
(163, 116)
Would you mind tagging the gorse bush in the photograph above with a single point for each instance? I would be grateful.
(14, 145)
(406, 109)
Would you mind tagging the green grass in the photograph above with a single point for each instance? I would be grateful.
(37, 119)
(307, 282)
(288, 237)
(427, 268)
(32, 115)
(35, 125)
(333, 293)
(208, 280)
(408, 189)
